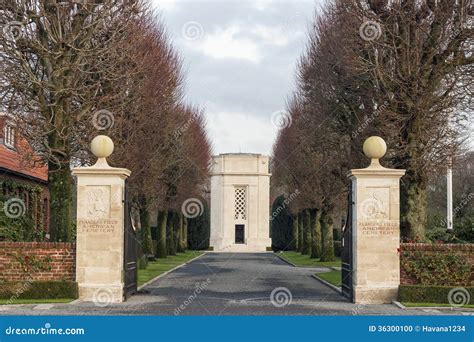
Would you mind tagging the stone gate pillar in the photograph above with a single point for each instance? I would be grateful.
(100, 227)
(375, 228)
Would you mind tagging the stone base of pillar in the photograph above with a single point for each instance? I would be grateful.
(375, 295)
(101, 295)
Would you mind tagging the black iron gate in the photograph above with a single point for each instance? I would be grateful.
(130, 248)
(346, 254)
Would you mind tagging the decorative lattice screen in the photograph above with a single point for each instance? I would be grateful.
(240, 203)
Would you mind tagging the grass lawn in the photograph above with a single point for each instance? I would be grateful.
(409, 304)
(304, 260)
(333, 277)
(36, 301)
(159, 266)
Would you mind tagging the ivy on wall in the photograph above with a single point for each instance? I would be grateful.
(32, 263)
(21, 211)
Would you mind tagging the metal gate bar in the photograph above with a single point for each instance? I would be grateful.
(346, 254)
(131, 246)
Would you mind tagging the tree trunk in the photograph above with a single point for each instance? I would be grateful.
(413, 186)
(307, 232)
(181, 248)
(60, 189)
(327, 224)
(147, 244)
(316, 244)
(414, 215)
(177, 231)
(161, 248)
(170, 234)
(185, 232)
(300, 232)
(184, 241)
(294, 233)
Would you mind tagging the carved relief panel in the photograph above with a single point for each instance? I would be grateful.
(98, 202)
(376, 204)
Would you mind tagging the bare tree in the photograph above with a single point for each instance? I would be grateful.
(72, 70)
(420, 65)
(398, 69)
(60, 61)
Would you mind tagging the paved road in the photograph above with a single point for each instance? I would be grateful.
(229, 284)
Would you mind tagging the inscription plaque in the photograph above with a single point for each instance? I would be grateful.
(378, 228)
(97, 225)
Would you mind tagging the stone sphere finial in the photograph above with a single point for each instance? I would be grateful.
(374, 147)
(102, 146)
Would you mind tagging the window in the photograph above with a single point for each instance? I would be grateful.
(9, 136)
(240, 203)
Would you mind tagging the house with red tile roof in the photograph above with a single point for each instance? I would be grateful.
(22, 175)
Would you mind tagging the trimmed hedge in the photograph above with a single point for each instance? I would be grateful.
(337, 248)
(435, 294)
(447, 268)
(281, 224)
(199, 229)
(38, 290)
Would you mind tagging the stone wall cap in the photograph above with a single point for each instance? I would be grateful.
(93, 170)
(37, 244)
(376, 171)
(423, 246)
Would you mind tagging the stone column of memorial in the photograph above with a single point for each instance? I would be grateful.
(375, 228)
(100, 226)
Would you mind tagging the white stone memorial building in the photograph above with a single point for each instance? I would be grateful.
(240, 203)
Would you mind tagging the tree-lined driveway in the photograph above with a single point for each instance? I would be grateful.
(229, 284)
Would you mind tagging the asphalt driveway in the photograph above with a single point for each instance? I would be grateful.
(228, 284)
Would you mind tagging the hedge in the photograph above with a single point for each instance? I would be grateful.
(337, 248)
(436, 294)
(38, 290)
(443, 268)
(199, 229)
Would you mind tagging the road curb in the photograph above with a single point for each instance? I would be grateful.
(169, 271)
(5, 307)
(450, 308)
(287, 261)
(400, 305)
(335, 288)
(307, 266)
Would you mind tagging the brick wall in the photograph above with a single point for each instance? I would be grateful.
(40, 260)
(465, 250)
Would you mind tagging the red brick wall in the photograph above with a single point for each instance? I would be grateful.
(40, 260)
(466, 250)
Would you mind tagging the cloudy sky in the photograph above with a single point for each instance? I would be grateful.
(239, 59)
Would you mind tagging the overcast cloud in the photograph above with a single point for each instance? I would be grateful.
(240, 59)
